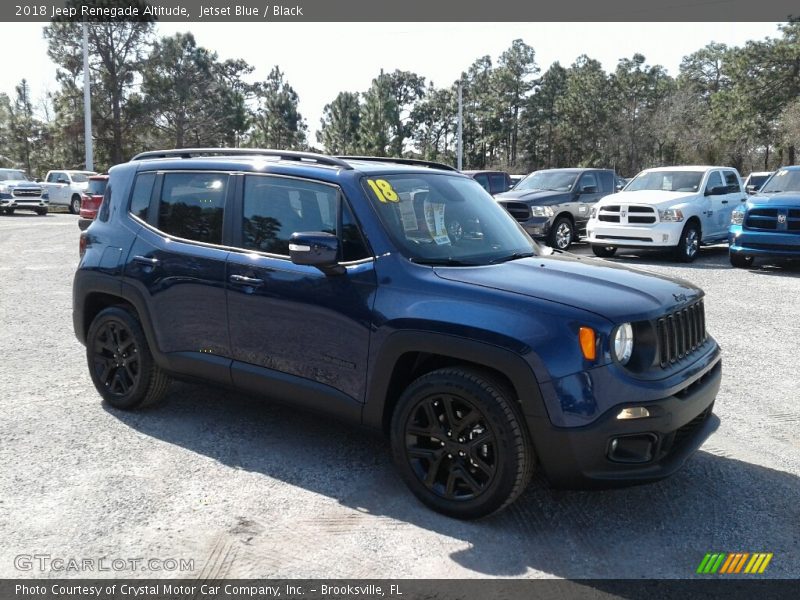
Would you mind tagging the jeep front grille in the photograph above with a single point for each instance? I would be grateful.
(681, 333)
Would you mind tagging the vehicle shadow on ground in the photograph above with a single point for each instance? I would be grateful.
(714, 504)
(783, 268)
(712, 257)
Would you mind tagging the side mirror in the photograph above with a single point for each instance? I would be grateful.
(588, 189)
(751, 189)
(62, 180)
(37, 180)
(316, 249)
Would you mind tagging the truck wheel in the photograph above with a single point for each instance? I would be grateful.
(9, 211)
(561, 233)
(741, 261)
(460, 443)
(689, 243)
(75, 205)
(120, 363)
(41, 211)
(604, 251)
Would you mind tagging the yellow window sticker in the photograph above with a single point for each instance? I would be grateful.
(383, 190)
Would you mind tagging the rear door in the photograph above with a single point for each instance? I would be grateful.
(289, 320)
(735, 196)
(177, 262)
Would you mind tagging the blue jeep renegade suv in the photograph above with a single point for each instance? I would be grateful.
(399, 295)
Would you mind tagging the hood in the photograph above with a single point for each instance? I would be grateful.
(649, 197)
(607, 289)
(20, 183)
(791, 199)
(538, 197)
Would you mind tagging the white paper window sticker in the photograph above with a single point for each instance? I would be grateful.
(407, 215)
(434, 219)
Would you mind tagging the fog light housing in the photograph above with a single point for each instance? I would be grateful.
(633, 449)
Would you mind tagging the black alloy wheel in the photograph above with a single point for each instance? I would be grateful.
(460, 443)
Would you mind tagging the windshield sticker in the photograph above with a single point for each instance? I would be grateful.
(407, 214)
(383, 190)
(434, 219)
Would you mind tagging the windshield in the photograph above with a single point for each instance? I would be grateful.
(785, 180)
(446, 220)
(560, 181)
(666, 181)
(757, 180)
(12, 175)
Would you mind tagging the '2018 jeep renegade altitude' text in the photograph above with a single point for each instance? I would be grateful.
(399, 295)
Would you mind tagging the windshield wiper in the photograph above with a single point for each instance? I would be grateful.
(514, 256)
(443, 262)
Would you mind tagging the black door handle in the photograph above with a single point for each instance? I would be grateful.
(242, 280)
(724, 201)
(144, 260)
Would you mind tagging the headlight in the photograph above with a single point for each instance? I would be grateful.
(593, 212)
(671, 214)
(737, 217)
(4, 189)
(541, 211)
(623, 343)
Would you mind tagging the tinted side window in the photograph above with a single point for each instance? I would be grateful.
(498, 183)
(588, 180)
(274, 208)
(191, 206)
(732, 181)
(353, 246)
(483, 179)
(142, 191)
(714, 180)
(606, 182)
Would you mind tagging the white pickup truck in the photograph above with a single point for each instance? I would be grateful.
(671, 207)
(66, 187)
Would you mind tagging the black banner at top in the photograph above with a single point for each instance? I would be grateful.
(402, 10)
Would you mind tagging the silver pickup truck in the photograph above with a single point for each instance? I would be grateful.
(554, 204)
(18, 191)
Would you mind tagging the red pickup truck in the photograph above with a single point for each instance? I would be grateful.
(91, 199)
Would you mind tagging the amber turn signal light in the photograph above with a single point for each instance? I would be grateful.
(588, 343)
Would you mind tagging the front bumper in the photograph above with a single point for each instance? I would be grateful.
(767, 244)
(24, 203)
(581, 457)
(659, 235)
(537, 227)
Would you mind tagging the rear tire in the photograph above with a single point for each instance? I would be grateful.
(561, 234)
(75, 205)
(120, 363)
(604, 251)
(689, 243)
(741, 261)
(460, 443)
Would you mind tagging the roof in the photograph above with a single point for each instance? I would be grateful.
(688, 168)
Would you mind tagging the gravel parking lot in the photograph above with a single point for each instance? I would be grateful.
(244, 488)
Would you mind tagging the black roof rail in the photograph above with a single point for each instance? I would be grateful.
(320, 159)
(402, 161)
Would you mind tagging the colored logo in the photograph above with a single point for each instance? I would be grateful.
(734, 562)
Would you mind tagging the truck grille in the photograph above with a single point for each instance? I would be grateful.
(762, 218)
(27, 192)
(519, 210)
(681, 333)
(641, 214)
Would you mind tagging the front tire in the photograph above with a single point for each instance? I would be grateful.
(604, 251)
(41, 211)
(460, 443)
(120, 363)
(688, 244)
(561, 234)
(75, 205)
(9, 211)
(741, 261)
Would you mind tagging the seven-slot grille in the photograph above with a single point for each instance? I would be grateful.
(681, 333)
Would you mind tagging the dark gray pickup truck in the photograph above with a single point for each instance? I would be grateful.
(554, 204)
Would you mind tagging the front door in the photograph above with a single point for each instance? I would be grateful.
(292, 319)
(713, 210)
